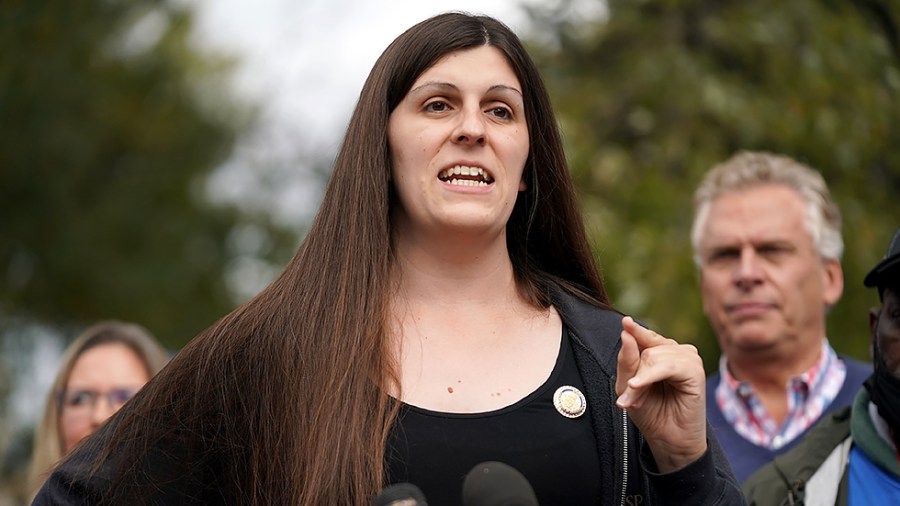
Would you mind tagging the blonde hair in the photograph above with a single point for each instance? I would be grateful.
(749, 169)
(48, 446)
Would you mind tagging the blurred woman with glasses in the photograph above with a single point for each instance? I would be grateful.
(101, 370)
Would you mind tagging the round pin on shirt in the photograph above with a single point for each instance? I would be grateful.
(569, 401)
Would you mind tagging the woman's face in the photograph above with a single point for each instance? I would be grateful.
(459, 143)
(102, 379)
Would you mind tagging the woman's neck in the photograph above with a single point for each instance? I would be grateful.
(462, 331)
(454, 268)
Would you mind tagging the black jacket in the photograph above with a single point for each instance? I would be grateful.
(628, 472)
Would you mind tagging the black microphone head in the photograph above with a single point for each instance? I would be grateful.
(401, 494)
(497, 484)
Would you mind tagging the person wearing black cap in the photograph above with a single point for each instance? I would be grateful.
(851, 457)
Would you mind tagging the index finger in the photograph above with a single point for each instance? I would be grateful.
(645, 337)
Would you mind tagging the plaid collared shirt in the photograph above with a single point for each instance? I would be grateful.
(808, 396)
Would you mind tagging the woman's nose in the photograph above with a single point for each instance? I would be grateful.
(101, 410)
(471, 127)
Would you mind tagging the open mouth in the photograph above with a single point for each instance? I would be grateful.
(462, 175)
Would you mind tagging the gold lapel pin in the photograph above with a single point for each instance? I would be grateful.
(569, 401)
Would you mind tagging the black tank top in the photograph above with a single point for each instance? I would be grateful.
(557, 454)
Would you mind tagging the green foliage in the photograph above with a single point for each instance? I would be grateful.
(110, 123)
(653, 96)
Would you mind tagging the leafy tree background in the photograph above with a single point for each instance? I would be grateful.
(111, 123)
(651, 98)
(106, 148)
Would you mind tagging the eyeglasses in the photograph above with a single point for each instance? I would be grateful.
(82, 402)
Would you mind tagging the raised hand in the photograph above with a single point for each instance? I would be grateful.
(662, 385)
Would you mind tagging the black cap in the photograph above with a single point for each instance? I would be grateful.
(889, 267)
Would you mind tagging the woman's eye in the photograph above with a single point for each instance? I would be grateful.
(121, 396)
(501, 112)
(79, 398)
(436, 106)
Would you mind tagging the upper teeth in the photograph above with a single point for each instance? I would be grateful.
(462, 170)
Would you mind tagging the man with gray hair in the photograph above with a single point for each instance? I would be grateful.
(767, 243)
(850, 457)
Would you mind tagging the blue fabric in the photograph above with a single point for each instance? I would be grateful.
(745, 457)
(869, 484)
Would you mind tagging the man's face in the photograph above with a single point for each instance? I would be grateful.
(764, 285)
(885, 328)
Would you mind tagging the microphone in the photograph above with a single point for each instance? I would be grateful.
(401, 494)
(497, 484)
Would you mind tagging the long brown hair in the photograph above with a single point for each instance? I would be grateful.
(284, 400)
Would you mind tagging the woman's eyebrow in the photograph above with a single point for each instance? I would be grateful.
(504, 87)
(434, 84)
(451, 86)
